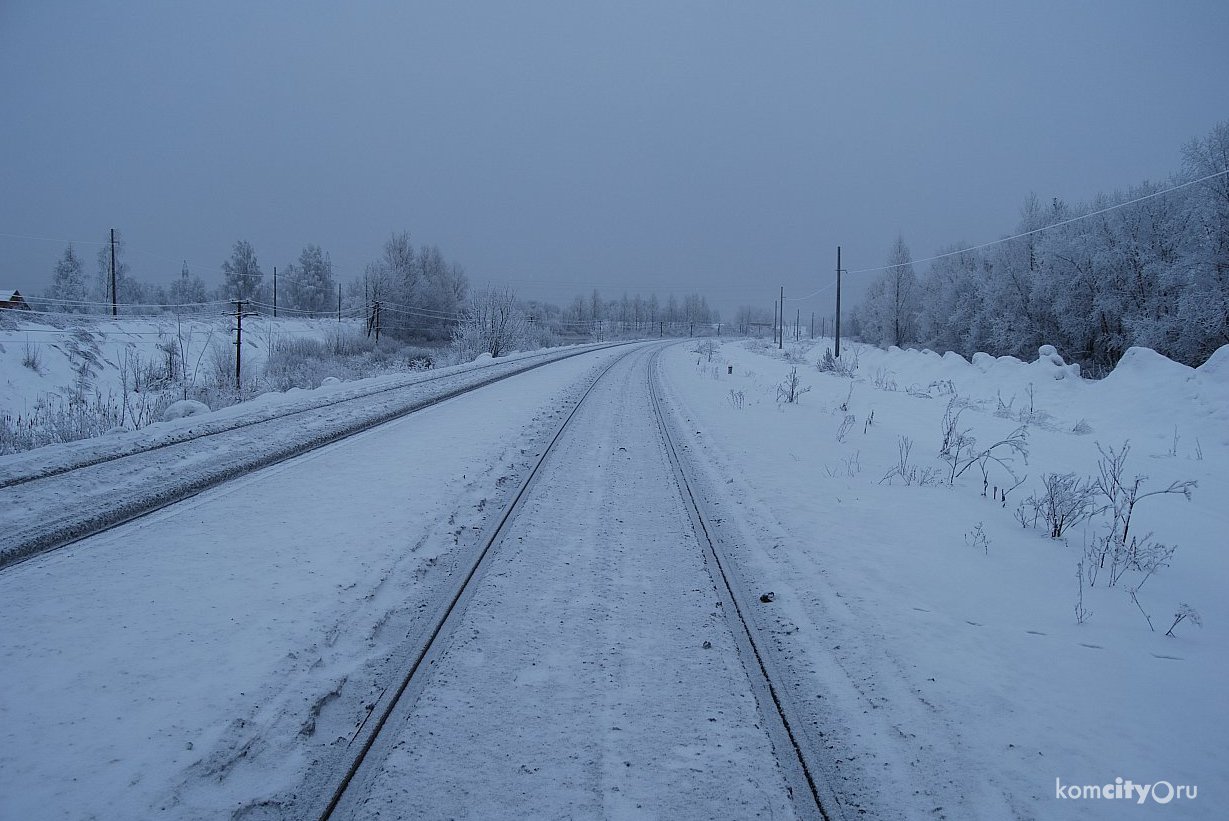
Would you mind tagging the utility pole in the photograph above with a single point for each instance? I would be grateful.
(275, 292)
(812, 324)
(114, 305)
(797, 323)
(838, 301)
(239, 344)
(781, 313)
(339, 302)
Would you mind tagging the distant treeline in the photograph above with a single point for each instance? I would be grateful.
(419, 294)
(1153, 273)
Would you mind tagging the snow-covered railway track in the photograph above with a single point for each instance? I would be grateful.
(447, 614)
(515, 620)
(798, 755)
(68, 498)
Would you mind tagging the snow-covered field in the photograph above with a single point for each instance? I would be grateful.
(934, 635)
(57, 353)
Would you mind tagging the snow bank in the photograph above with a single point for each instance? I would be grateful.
(1217, 367)
(184, 408)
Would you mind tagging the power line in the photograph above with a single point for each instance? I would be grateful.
(53, 239)
(1058, 224)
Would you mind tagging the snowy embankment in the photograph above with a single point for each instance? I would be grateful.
(169, 463)
(66, 378)
(53, 355)
(930, 626)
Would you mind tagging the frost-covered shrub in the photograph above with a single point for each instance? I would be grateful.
(846, 365)
(706, 349)
(56, 419)
(1066, 501)
(791, 389)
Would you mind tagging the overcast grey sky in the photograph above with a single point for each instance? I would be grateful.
(717, 146)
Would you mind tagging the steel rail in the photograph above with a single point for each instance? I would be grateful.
(453, 608)
(810, 787)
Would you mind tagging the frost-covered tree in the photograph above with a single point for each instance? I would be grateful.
(187, 290)
(1016, 316)
(422, 293)
(242, 275)
(1205, 300)
(889, 312)
(68, 283)
(127, 290)
(597, 308)
(577, 313)
(309, 284)
(492, 322)
(951, 311)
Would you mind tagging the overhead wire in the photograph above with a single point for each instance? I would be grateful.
(1050, 227)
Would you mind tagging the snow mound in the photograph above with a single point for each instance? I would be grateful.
(983, 361)
(1048, 360)
(329, 380)
(953, 358)
(1146, 367)
(483, 357)
(1216, 369)
(184, 408)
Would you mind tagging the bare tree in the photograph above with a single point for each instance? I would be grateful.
(491, 323)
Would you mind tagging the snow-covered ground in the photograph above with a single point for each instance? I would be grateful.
(39, 355)
(935, 637)
(196, 662)
(69, 377)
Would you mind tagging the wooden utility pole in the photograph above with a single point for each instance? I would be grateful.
(781, 313)
(812, 324)
(838, 301)
(339, 302)
(114, 301)
(238, 344)
(275, 292)
(797, 323)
